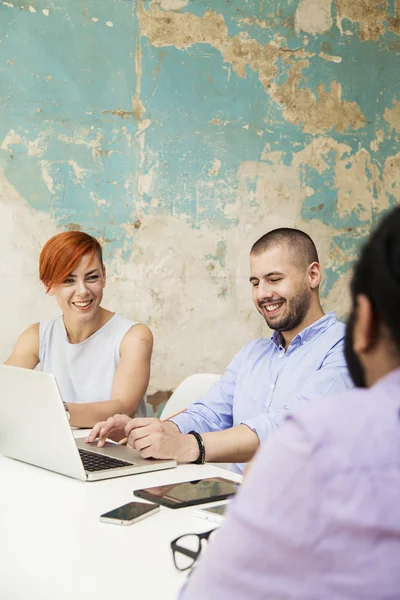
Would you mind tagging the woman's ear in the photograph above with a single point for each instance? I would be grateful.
(48, 290)
(366, 328)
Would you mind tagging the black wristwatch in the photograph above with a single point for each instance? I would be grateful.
(202, 449)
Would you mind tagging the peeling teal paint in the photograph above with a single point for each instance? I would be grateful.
(67, 83)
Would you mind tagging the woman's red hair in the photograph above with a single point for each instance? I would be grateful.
(63, 252)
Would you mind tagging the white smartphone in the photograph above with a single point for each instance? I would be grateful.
(216, 514)
(129, 513)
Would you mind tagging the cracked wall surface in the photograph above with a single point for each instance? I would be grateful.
(178, 132)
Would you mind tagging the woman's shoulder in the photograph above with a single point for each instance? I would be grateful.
(26, 351)
(46, 326)
(31, 334)
(137, 334)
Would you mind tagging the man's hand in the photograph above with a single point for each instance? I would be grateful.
(113, 428)
(161, 439)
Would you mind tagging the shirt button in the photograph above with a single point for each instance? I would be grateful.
(281, 355)
(272, 386)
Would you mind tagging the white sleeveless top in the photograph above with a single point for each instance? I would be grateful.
(84, 372)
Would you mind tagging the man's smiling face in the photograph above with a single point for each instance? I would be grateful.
(280, 288)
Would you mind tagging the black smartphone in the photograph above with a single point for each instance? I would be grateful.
(129, 513)
(190, 493)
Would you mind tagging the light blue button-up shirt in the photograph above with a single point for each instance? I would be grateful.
(263, 382)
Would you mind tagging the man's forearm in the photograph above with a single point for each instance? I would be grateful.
(236, 444)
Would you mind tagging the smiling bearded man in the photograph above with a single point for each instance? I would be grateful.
(267, 378)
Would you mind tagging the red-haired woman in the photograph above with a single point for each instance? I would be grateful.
(101, 360)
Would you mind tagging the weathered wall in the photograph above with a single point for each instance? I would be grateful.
(179, 131)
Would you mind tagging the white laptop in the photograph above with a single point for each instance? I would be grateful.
(34, 428)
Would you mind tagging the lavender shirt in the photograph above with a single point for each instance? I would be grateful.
(319, 514)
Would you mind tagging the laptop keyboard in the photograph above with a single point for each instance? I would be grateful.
(98, 462)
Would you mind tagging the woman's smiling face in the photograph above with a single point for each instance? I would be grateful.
(80, 295)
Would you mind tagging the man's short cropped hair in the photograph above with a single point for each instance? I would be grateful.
(299, 243)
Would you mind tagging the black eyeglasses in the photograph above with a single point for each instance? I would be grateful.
(186, 548)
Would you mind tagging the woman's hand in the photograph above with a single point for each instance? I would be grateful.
(113, 428)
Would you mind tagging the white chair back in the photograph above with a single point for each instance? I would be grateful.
(191, 389)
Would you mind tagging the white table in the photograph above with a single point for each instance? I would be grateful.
(53, 547)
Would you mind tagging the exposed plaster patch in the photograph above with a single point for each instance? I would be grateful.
(8, 4)
(73, 227)
(213, 172)
(359, 187)
(99, 201)
(144, 183)
(391, 176)
(262, 23)
(278, 193)
(392, 116)
(315, 154)
(46, 12)
(38, 147)
(124, 114)
(81, 138)
(47, 178)
(359, 190)
(313, 16)
(138, 108)
(309, 191)
(182, 296)
(172, 4)
(278, 201)
(375, 144)
(78, 171)
(143, 125)
(95, 19)
(317, 115)
(329, 58)
(32, 9)
(11, 138)
(24, 230)
(300, 105)
(109, 24)
(371, 15)
(127, 135)
(184, 30)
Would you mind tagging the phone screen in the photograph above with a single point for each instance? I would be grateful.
(130, 511)
(193, 492)
(205, 488)
(217, 510)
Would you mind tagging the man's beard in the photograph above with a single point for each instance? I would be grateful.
(354, 365)
(298, 309)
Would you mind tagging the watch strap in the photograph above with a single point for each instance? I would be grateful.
(202, 449)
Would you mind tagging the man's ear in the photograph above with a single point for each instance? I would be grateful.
(314, 275)
(366, 329)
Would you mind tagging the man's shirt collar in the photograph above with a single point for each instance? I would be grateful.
(309, 333)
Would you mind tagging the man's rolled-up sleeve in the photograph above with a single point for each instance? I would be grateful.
(214, 411)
